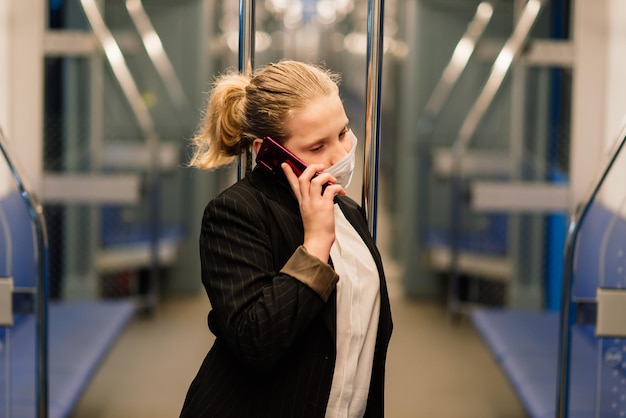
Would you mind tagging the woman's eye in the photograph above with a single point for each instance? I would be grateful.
(317, 149)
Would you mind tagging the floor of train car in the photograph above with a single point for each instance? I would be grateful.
(435, 368)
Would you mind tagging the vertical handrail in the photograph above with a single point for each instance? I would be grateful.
(375, 26)
(499, 70)
(120, 69)
(159, 58)
(567, 319)
(246, 61)
(35, 210)
(456, 66)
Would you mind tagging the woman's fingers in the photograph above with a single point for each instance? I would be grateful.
(312, 182)
(292, 179)
(333, 190)
(315, 193)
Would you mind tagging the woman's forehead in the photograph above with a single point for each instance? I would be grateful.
(326, 111)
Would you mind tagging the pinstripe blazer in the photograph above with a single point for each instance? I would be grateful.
(274, 352)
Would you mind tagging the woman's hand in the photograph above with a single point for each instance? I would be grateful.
(316, 207)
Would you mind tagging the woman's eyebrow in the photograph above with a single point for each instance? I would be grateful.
(315, 142)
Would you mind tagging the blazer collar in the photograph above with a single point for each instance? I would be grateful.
(275, 186)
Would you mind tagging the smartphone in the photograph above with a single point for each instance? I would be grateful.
(271, 155)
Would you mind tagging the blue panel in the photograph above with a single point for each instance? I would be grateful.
(556, 223)
(557, 228)
(612, 248)
(18, 247)
(55, 4)
(587, 252)
(612, 378)
(555, 245)
(612, 356)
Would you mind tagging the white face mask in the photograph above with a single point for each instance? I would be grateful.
(343, 169)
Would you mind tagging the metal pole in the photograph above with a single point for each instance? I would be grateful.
(375, 24)
(35, 210)
(246, 60)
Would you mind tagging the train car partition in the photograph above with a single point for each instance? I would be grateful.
(572, 364)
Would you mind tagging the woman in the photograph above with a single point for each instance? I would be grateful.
(300, 308)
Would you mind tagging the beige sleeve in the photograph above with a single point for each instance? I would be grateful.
(311, 271)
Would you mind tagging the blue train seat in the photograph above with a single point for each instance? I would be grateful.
(80, 333)
(526, 343)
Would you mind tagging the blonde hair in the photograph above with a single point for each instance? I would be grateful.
(241, 109)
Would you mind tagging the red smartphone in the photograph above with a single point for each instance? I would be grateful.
(271, 155)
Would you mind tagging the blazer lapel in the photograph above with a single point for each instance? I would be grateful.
(355, 217)
(275, 187)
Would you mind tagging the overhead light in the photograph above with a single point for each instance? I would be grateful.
(262, 41)
(356, 43)
(293, 15)
(326, 12)
(277, 6)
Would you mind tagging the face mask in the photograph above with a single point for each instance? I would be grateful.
(342, 170)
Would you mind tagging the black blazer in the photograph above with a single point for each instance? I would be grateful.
(274, 352)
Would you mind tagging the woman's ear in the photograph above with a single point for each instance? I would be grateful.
(256, 145)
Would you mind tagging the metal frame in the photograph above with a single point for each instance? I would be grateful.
(499, 70)
(126, 81)
(461, 55)
(35, 210)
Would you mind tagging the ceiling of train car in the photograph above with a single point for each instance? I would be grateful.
(344, 21)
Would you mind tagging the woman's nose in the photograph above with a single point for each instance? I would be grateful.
(341, 149)
(339, 152)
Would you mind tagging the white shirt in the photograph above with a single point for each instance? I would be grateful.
(358, 310)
